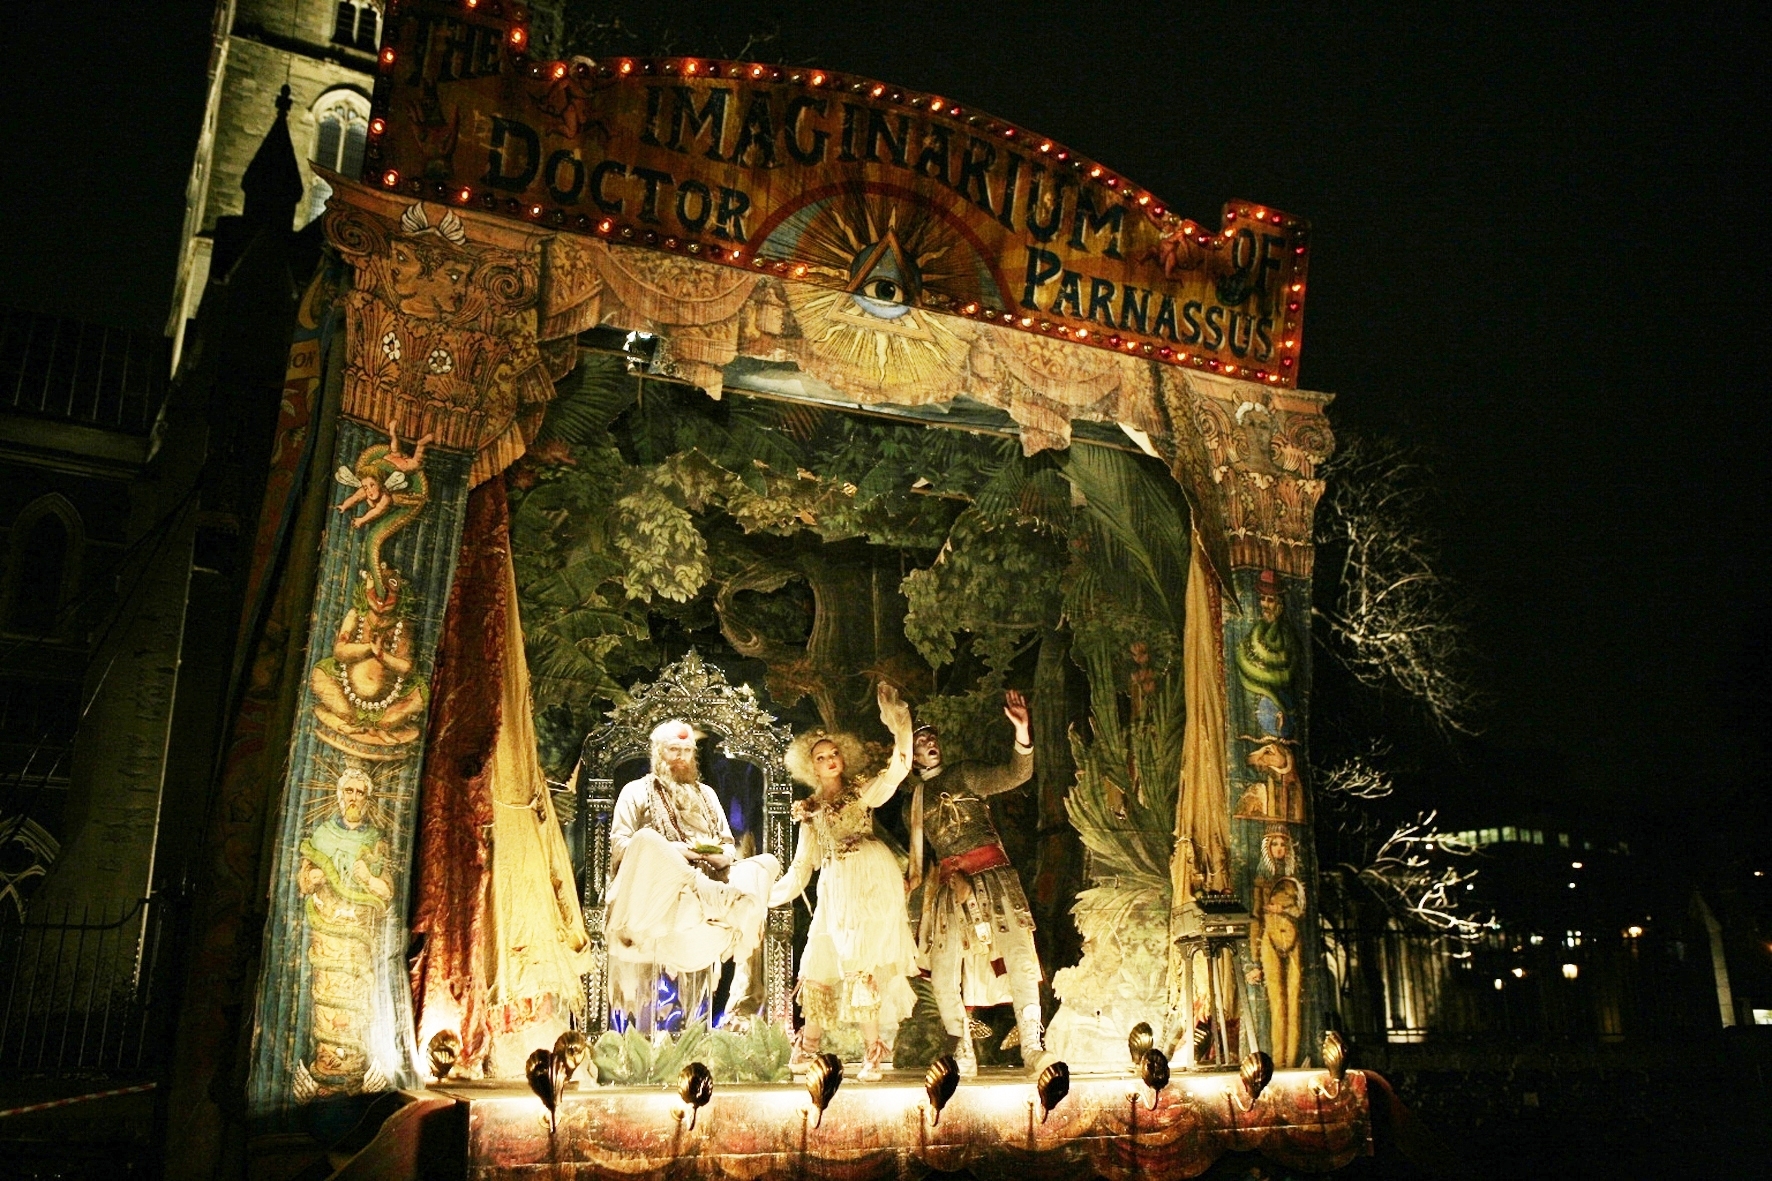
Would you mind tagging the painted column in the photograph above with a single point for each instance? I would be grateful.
(1250, 463)
(441, 361)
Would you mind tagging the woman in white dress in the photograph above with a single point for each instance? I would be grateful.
(859, 949)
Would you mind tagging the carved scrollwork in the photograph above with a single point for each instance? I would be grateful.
(1261, 449)
(699, 693)
(439, 320)
(355, 233)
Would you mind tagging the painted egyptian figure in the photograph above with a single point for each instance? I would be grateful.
(1267, 659)
(348, 884)
(680, 900)
(1278, 910)
(1280, 793)
(976, 935)
(859, 951)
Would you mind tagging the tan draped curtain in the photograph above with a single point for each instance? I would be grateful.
(1202, 822)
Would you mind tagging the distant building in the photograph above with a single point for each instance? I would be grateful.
(77, 406)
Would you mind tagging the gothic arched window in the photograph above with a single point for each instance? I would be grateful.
(357, 24)
(46, 542)
(341, 127)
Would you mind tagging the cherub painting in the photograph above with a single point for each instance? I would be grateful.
(393, 489)
(382, 481)
(368, 694)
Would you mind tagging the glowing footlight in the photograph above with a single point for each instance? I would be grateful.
(572, 1050)
(939, 1084)
(1139, 1043)
(546, 1072)
(1054, 1085)
(1153, 1069)
(443, 1049)
(822, 1082)
(1257, 1072)
(695, 1086)
(1334, 1062)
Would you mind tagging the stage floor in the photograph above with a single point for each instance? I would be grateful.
(991, 1127)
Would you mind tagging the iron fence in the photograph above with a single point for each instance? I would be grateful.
(1411, 987)
(81, 992)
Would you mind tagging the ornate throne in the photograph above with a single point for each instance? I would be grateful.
(699, 694)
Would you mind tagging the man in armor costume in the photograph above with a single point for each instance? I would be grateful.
(976, 933)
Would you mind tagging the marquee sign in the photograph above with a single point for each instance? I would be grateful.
(900, 199)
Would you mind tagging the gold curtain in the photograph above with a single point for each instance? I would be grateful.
(1202, 824)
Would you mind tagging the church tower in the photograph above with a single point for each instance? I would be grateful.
(324, 51)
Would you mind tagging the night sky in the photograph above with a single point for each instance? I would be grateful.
(1537, 253)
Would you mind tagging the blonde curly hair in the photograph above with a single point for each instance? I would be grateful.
(799, 755)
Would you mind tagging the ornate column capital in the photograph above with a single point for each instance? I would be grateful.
(441, 320)
(1249, 454)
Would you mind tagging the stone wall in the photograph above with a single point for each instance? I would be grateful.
(261, 44)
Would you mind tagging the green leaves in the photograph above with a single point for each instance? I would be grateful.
(757, 1056)
(997, 584)
(588, 401)
(1136, 523)
(1123, 803)
(661, 550)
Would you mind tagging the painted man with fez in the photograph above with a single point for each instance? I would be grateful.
(976, 933)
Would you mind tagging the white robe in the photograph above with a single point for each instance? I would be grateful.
(664, 911)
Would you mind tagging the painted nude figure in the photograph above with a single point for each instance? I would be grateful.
(1279, 908)
(367, 689)
(383, 480)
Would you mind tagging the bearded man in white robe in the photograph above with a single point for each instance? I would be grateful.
(680, 900)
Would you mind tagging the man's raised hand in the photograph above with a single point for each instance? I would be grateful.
(1015, 708)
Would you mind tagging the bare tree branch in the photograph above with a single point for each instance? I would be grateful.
(1358, 777)
(1395, 620)
(1411, 874)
